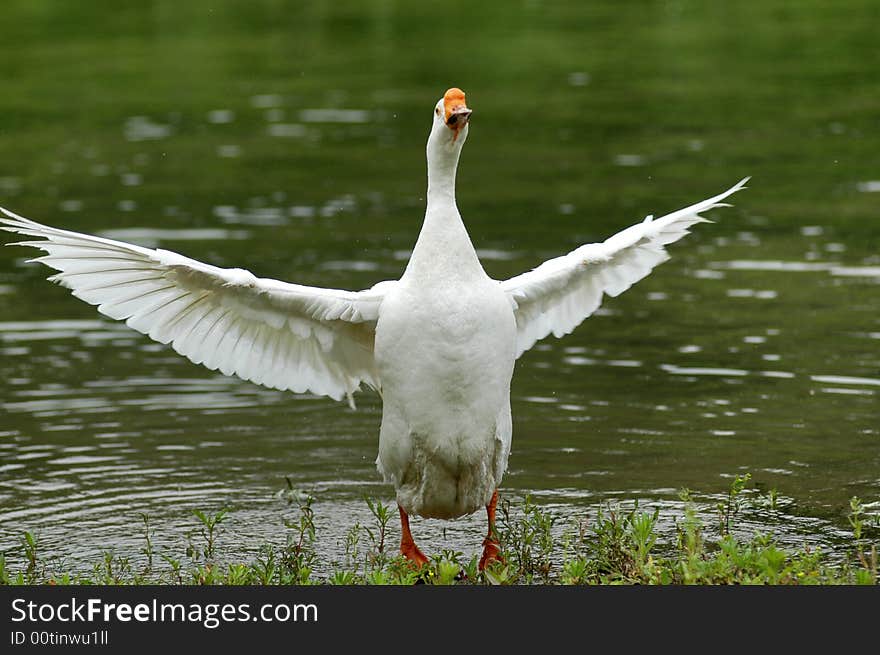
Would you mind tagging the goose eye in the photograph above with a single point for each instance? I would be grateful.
(437, 110)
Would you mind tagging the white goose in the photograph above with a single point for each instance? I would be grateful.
(439, 344)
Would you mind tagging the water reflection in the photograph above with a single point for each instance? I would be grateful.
(335, 116)
(796, 267)
(871, 186)
(221, 116)
(287, 130)
(151, 237)
(144, 128)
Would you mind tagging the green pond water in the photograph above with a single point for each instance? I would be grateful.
(288, 138)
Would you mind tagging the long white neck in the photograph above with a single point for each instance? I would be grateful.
(444, 249)
(442, 166)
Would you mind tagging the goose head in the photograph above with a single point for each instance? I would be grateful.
(450, 127)
(448, 133)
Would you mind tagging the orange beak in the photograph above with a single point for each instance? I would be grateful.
(457, 112)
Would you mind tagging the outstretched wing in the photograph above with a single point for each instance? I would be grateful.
(283, 336)
(559, 294)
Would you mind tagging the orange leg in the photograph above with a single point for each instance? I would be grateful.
(491, 547)
(408, 546)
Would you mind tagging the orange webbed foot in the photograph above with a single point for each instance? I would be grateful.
(491, 546)
(408, 546)
(412, 553)
(491, 553)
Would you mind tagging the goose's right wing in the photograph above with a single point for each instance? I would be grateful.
(280, 335)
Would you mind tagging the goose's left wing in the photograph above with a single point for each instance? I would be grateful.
(283, 336)
(559, 294)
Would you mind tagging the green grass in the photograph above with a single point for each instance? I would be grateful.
(616, 546)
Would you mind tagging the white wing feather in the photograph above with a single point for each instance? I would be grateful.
(559, 294)
(283, 336)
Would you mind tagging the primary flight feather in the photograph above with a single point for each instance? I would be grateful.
(439, 343)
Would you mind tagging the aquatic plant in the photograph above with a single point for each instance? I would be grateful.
(615, 545)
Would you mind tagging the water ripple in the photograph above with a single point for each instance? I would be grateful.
(110, 502)
(844, 379)
(694, 370)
